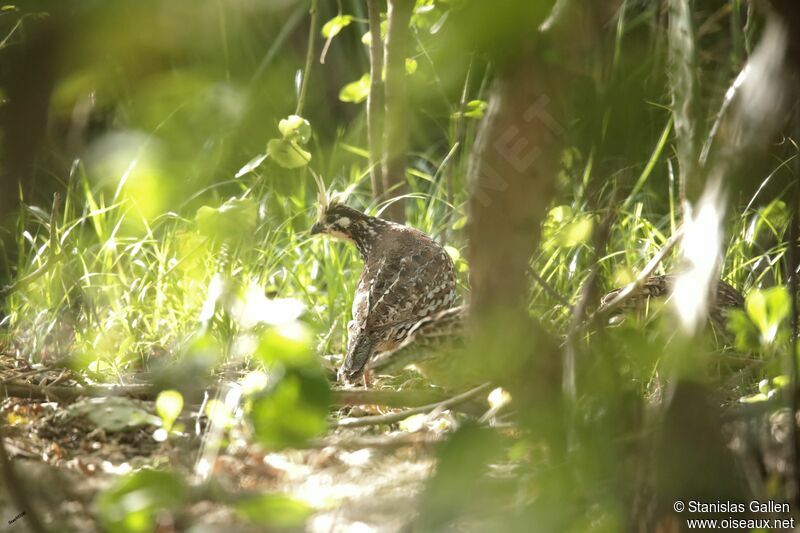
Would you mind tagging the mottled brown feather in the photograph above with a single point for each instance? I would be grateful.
(725, 298)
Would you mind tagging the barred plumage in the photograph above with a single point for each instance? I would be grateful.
(426, 338)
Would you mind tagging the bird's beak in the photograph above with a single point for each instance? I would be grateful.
(316, 228)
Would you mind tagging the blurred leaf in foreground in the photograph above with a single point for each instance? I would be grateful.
(452, 491)
(273, 510)
(232, 220)
(169, 405)
(335, 25)
(293, 410)
(133, 502)
(288, 154)
(357, 91)
(294, 406)
(767, 309)
(295, 128)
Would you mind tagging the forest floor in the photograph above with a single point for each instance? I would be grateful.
(67, 452)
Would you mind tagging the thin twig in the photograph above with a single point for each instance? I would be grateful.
(387, 398)
(61, 393)
(630, 289)
(391, 441)
(391, 418)
(375, 100)
(25, 374)
(730, 94)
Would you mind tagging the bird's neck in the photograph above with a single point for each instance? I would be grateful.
(364, 232)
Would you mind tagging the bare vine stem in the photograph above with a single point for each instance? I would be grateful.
(375, 99)
(312, 39)
(646, 272)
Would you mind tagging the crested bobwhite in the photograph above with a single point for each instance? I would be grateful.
(725, 299)
(407, 277)
(445, 330)
(441, 331)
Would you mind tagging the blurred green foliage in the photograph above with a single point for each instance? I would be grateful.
(180, 239)
(132, 504)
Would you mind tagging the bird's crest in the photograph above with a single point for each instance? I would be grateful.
(326, 198)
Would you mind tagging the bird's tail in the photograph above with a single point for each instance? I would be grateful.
(356, 359)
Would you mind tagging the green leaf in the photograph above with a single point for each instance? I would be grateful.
(473, 109)
(357, 91)
(219, 413)
(232, 220)
(767, 309)
(295, 128)
(768, 221)
(273, 511)
(576, 232)
(335, 25)
(559, 214)
(411, 65)
(745, 331)
(756, 306)
(113, 414)
(781, 381)
(564, 228)
(169, 405)
(132, 503)
(251, 165)
(425, 15)
(367, 37)
(292, 411)
(288, 154)
(754, 398)
(289, 344)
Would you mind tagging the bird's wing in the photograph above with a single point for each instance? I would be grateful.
(426, 337)
(410, 288)
(361, 305)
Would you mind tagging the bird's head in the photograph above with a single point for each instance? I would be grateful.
(333, 216)
(337, 220)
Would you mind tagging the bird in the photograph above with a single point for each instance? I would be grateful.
(407, 278)
(443, 331)
(660, 286)
(443, 334)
